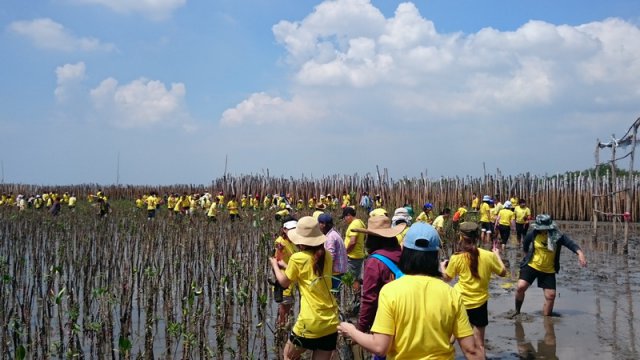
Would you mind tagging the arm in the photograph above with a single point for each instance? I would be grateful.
(571, 245)
(443, 270)
(528, 239)
(502, 273)
(468, 347)
(378, 344)
(282, 278)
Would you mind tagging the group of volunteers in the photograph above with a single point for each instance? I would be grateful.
(407, 308)
(51, 201)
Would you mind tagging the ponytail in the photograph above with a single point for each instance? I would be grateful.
(469, 247)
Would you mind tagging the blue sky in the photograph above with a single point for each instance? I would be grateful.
(313, 88)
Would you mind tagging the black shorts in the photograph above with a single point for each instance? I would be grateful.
(545, 280)
(326, 343)
(521, 230)
(479, 317)
(505, 233)
(487, 227)
(151, 213)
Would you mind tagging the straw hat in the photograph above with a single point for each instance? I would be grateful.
(307, 232)
(381, 226)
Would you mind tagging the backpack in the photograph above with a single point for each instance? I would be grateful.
(397, 273)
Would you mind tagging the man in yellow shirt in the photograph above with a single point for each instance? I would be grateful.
(354, 243)
(504, 222)
(73, 201)
(475, 202)
(426, 216)
(485, 219)
(542, 260)
(523, 216)
(232, 207)
(152, 205)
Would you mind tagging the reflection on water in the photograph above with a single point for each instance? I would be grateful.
(546, 347)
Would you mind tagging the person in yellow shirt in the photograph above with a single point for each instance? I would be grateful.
(354, 243)
(504, 222)
(320, 208)
(473, 266)
(346, 199)
(418, 313)
(152, 205)
(378, 212)
(523, 216)
(377, 201)
(316, 326)
(284, 249)
(542, 260)
(426, 216)
(475, 202)
(244, 202)
(73, 201)
(255, 203)
(300, 205)
(311, 203)
(232, 207)
(485, 219)
(139, 202)
(212, 212)
(438, 224)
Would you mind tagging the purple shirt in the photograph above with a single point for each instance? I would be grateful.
(375, 275)
(335, 246)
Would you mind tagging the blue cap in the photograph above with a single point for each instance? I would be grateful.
(325, 218)
(428, 206)
(422, 237)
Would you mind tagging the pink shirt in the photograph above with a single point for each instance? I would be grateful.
(335, 246)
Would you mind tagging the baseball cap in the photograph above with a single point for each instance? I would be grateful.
(325, 218)
(422, 237)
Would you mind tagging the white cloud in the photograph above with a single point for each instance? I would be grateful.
(261, 108)
(153, 9)
(140, 103)
(48, 34)
(68, 77)
(401, 65)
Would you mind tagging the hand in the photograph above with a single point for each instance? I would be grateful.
(346, 329)
(274, 262)
(582, 259)
(496, 250)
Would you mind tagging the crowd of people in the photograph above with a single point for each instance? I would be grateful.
(400, 265)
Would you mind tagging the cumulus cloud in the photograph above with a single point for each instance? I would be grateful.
(48, 34)
(68, 77)
(406, 67)
(153, 9)
(261, 108)
(141, 103)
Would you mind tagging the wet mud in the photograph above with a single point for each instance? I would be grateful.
(595, 308)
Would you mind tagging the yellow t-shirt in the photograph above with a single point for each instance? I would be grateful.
(462, 211)
(438, 223)
(72, 201)
(474, 203)
(543, 259)
(358, 251)
(318, 315)
(522, 214)
(424, 217)
(213, 210)
(474, 291)
(421, 313)
(152, 203)
(400, 236)
(232, 206)
(317, 213)
(485, 211)
(506, 216)
(285, 248)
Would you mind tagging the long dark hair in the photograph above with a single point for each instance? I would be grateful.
(375, 242)
(414, 262)
(468, 245)
(318, 257)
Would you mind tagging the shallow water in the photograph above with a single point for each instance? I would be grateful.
(594, 312)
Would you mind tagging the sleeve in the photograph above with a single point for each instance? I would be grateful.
(293, 269)
(371, 285)
(384, 322)
(452, 267)
(496, 268)
(527, 241)
(461, 327)
(330, 246)
(569, 244)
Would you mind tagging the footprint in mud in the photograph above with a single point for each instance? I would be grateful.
(512, 314)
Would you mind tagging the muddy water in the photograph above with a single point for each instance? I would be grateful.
(595, 309)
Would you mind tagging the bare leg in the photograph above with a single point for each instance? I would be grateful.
(478, 334)
(522, 287)
(292, 352)
(549, 300)
(321, 355)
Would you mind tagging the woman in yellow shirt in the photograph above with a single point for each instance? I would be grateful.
(418, 312)
(474, 268)
(316, 326)
(504, 221)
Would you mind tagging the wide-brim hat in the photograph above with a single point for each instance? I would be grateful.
(381, 226)
(307, 232)
(544, 222)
